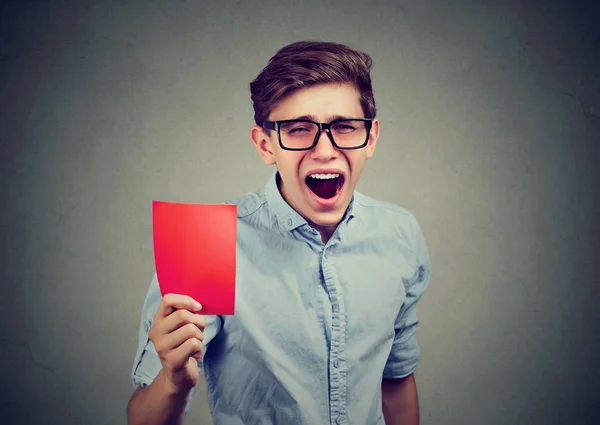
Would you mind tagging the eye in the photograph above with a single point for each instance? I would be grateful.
(298, 129)
(344, 128)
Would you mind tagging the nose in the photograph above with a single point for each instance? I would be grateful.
(324, 148)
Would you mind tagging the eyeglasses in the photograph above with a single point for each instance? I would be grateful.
(303, 135)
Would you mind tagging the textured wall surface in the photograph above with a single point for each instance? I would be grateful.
(490, 135)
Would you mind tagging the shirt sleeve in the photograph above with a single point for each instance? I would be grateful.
(146, 364)
(405, 353)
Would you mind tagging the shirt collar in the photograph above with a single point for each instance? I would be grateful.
(286, 216)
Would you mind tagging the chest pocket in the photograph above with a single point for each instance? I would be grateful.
(276, 300)
(374, 290)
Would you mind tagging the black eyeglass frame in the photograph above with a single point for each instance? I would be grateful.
(276, 125)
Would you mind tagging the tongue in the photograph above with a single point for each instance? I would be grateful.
(323, 188)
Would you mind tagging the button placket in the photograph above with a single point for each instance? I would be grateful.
(337, 348)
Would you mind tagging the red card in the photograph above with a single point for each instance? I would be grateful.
(194, 252)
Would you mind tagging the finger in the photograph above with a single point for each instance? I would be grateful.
(178, 319)
(172, 302)
(173, 340)
(178, 357)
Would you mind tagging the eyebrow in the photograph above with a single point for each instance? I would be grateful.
(330, 118)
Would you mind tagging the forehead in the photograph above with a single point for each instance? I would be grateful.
(322, 102)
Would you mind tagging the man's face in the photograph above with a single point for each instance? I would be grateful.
(322, 103)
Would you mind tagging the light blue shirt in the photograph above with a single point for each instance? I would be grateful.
(316, 326)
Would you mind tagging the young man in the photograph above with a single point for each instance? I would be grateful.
(328, 279)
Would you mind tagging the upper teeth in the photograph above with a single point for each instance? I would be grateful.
(324, 176)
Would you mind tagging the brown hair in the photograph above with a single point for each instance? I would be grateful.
(308, 63)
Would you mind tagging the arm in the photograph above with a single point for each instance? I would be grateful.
(160, 403)
(400, 401)
(177, 336)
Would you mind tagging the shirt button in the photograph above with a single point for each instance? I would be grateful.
(147, 325)
(289, 222)
(338, 420)
(336, 364)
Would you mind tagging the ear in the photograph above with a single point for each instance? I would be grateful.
(373, 136)
(262, 142)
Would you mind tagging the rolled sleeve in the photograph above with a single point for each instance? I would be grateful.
(405, 353)
(146, 364)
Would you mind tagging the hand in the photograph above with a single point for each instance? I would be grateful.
(178, 338)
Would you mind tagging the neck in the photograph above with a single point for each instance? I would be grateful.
(326, 232)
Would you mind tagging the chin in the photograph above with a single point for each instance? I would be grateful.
(327, 219)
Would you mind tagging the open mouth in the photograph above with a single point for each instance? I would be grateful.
(325, 186)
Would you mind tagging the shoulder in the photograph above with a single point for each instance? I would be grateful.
(395, 225)
(252, 207)
(385, 214)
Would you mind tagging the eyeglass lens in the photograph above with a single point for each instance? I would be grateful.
(302, 134)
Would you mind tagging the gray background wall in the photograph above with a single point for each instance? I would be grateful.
(490, 134)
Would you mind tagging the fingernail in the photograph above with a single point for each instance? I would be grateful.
(197, 306)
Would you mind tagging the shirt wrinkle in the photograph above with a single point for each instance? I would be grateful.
(316, 325)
